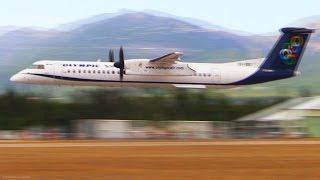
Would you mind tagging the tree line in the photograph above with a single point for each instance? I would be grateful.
(19, 110)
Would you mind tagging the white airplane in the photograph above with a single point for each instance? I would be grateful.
(167, 71)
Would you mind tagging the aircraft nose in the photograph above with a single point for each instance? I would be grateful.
(14, 78)
(17, 78)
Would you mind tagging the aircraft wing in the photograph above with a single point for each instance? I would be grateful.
(169, 58)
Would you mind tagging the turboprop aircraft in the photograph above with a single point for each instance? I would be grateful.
(168, 71)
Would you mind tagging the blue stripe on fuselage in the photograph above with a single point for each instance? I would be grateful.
(259, 76)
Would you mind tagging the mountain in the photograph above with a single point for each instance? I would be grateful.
(5, 29)
(138, 31)
(152, 30)
(143, 36)
(22, 40)
(193, 21)
(76, 24)
(197, 22)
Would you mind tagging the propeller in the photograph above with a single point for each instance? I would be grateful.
(120, 63)
(111, 55)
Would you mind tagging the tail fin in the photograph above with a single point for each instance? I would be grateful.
(287, 52)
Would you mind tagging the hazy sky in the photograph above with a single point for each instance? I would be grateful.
(246, 15)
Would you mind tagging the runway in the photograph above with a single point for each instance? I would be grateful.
(48, 144)
(160, 159)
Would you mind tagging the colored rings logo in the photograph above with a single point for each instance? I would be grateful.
(291, 51)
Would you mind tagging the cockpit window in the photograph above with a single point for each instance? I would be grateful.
(36, 66)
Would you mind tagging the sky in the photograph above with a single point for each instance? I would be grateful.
(244, 15)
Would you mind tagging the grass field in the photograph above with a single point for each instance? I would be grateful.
(227, 159)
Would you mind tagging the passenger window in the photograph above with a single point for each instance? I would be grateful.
(103, 71)
(94, 71)
(68, 71)
(112, 72)
(89, 71)
(79, 71)
(84, 71)
(98, 71)
(74, 71)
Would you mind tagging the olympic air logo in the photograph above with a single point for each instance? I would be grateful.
(291, 51)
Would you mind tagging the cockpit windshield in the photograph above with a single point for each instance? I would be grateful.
(36, 66)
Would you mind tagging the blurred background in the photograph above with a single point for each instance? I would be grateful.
(116, 113)
(286, 108)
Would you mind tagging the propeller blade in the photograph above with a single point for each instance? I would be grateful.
(121, 56)
(111, 56)
(120, 63)
(121, 73)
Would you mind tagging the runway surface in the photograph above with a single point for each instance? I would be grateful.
(152, 144)
(160, 159)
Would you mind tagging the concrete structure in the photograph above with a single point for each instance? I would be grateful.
(102, 129)
(138, 129)
(294, 117)
(191, 129)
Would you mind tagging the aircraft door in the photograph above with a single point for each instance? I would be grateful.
(49, 71)
(58, 73)
(216, 76)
